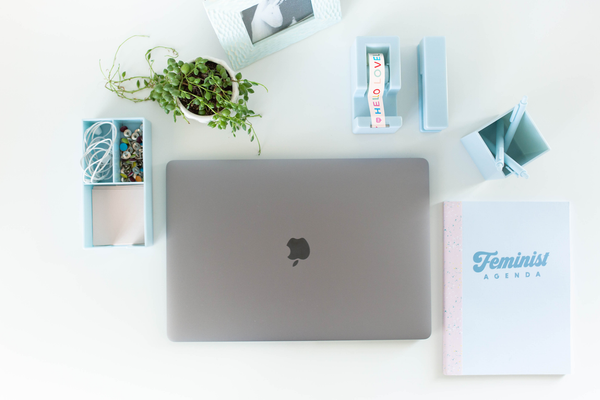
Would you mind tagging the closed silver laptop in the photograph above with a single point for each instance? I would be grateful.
(298, 250)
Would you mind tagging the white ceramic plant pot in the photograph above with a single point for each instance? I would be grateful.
(205, 119)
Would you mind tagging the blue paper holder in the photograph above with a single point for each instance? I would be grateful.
(433, 84)
(389, 46)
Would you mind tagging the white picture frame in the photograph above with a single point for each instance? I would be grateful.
(226, 19)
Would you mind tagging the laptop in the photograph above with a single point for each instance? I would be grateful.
(272, 250)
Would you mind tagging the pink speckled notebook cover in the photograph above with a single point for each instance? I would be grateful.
(452, 325)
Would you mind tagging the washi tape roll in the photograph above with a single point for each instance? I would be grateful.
(376, 87)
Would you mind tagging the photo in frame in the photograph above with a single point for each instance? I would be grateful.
(252, 29)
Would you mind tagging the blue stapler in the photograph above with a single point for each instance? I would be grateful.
(433, 84)
(389, 47)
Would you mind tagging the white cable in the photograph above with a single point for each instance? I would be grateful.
(98, 153)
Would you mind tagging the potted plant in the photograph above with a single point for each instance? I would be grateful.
(206, 90)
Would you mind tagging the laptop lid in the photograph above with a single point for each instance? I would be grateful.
(298, 250)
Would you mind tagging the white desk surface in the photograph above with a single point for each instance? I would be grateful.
(91, 324)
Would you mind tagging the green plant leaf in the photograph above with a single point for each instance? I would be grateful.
(123, 74)
(138, 83)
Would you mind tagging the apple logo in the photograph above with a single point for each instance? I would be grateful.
(299, 250)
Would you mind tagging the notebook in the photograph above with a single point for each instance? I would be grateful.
(506, 288)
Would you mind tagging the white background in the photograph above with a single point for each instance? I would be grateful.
(91, 324)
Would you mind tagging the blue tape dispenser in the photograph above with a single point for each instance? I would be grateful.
(375, 72)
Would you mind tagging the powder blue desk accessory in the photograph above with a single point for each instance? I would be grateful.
(433, 84)
(511, 164)
(515, 118)
(115, 179)
(528, 144)
(389, 46)
(499, 145)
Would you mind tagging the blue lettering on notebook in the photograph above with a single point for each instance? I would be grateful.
(484, 258)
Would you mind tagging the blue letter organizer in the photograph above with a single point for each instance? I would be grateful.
(88, 240)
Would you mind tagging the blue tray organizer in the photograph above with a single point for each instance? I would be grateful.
(132, 123)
